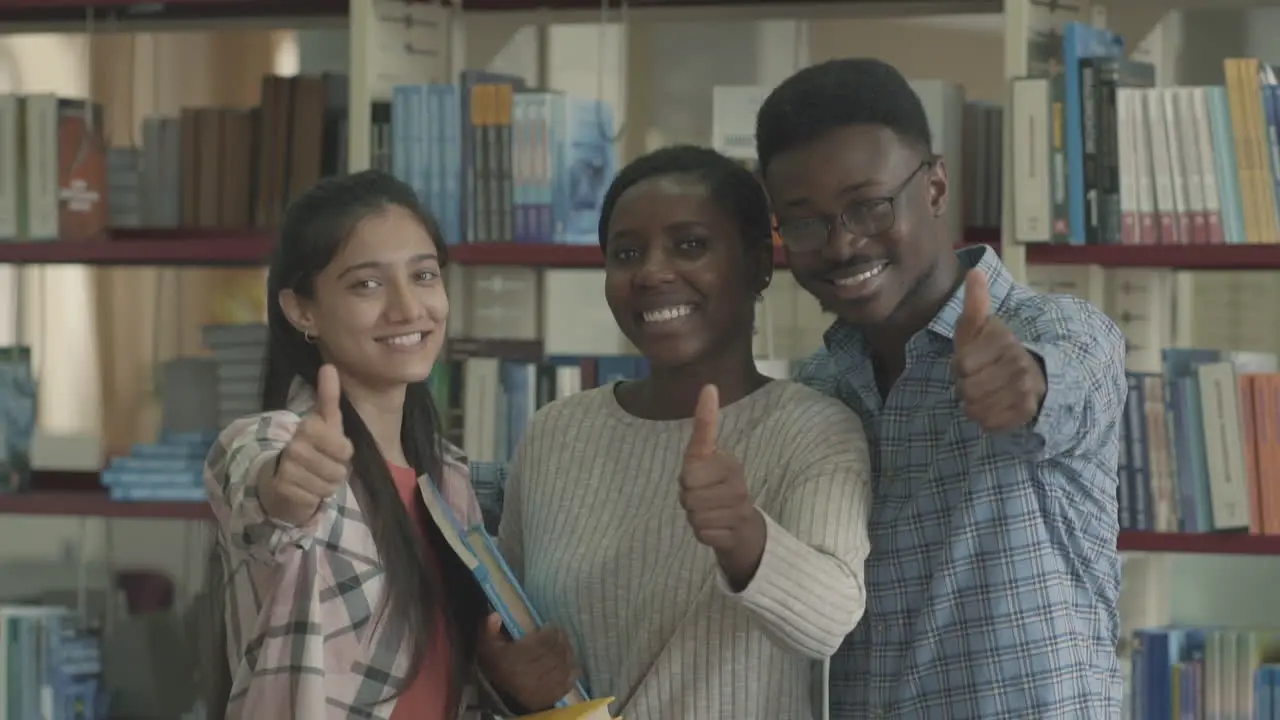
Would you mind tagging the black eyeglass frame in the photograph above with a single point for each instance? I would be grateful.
(879, 215)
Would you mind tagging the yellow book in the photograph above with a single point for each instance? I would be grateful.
(590, 710)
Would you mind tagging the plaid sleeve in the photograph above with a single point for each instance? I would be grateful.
(231, 472)
(1083, 353)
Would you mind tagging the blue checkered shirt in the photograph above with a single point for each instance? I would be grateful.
(993, 576)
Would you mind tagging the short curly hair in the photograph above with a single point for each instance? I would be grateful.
(848, 91)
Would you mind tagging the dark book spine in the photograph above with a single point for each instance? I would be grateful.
(1089, 102)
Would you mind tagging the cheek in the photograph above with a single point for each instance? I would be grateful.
(437, 304)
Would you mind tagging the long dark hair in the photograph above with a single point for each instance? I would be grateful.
(315, 227)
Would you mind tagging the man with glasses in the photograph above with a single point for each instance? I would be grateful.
(992, 413)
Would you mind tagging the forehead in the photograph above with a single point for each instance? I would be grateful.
(392, 234)
(835, 165)
(664, 200)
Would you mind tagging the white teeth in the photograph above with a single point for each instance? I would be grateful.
(855, 279)
(410, 339)
(669, 313)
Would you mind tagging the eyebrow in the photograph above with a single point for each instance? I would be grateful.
(847, 189)
(373, 265)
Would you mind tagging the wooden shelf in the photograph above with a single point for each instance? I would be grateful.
(1199, 543)
(97, 504)
(238, 247)
(72, 12)
(1178, 257)
(167, 246)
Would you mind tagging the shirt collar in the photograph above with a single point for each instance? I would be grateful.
(999, 282)
(842, 338)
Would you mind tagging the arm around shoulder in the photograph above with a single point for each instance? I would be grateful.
(809, 588)
(247, 452)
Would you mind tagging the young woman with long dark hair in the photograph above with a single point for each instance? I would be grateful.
(341, 597)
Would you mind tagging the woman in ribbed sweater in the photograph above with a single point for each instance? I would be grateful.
(700, 533)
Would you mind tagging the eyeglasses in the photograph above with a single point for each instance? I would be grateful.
(861, 218)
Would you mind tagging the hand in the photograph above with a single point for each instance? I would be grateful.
(716, 501)
(534, 671)
(1000, 383)
(316, 462)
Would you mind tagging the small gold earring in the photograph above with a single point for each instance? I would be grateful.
(306, 335)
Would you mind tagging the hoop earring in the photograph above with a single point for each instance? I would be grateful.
(306, 335)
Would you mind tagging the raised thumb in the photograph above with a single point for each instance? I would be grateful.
(329, 395)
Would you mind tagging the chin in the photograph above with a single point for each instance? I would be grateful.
(670, 353)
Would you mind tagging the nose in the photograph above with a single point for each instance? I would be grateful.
(403, 304)
(841, 244)
(655, 269)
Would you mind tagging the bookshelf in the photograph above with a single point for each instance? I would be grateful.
(93, 503)
(1199, 543)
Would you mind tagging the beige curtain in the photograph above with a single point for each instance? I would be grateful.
(145, 316)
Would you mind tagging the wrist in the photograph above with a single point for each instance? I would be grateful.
(740, 562)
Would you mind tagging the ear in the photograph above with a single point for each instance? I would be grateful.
(939, 187)
(297, 310)
(764, 273)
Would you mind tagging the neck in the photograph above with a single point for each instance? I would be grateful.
(382, 411)
(672, 393)
(888, 340)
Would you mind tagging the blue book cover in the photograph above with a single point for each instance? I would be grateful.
(476, 548)
(1080, 41)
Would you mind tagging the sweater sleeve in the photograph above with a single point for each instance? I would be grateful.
(808, 590)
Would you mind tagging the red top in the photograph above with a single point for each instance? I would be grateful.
(427, 696)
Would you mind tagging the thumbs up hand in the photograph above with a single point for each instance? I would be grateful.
(315, 463)
(714, 495)
(1000, 383)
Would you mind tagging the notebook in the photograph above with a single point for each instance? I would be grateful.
(481, 556)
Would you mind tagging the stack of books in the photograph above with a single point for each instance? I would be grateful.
(170, 470)
(240, 352)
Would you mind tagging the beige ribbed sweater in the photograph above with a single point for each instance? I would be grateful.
(592, 524)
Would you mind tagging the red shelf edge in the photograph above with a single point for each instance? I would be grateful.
(97, 504)
(1199, 543)
(240, 247)
(1178, 257)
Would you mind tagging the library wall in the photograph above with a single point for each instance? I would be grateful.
(969, 51)
(100, 334)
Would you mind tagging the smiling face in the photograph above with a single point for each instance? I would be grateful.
(379, 309)
(887, 187)
(676, 276)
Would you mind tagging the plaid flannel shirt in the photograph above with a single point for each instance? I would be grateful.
(993, 576)
(300, 601)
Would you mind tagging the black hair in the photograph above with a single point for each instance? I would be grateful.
(315, 227)
(848, 91)
(731, 186)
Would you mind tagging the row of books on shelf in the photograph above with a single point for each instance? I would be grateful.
(1196, 673)
(494, 159)
(1103, 156)
(1200, 444)
(50, 667)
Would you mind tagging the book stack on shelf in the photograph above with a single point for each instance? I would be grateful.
(1139, 165)
(239, 353)
(49, 667)
(501, 162)
(169, 470)
(1201, 444)
(1196, 672)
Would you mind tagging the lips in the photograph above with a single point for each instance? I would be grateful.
(404, 340)
(667, 313)
(858, 281)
